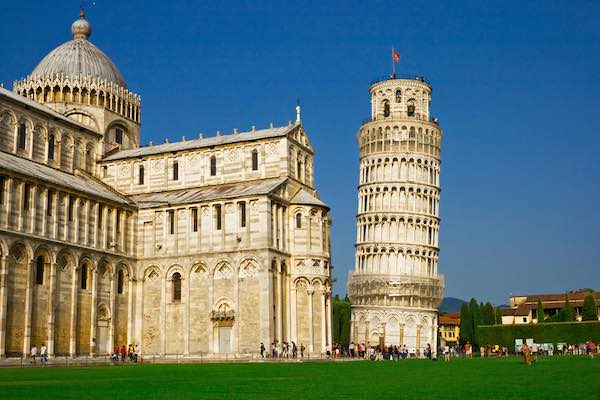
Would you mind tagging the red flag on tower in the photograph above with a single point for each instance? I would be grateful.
(395, 56)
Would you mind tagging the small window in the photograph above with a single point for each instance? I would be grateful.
(105, 171)
(49, 203)
(118, 221)
(172, 222)
(119, 136)
(176, 286)
(213, 166)
(218, 217)
(120, 279)
(39, 270)
(299, 168)
(2, 189)
(22, 136)
(386, 109)
(398, 96)
(51, 147)
(26, 192)
(99, 215)
(141, 175)
(84, 276)
(298, 221)
(194, 216)
(175, 170)
(254, 160)
(70, 208)
(243, 214)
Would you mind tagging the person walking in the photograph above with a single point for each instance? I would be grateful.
(33, 354)
(590, 348)
(43, 357)
(302, 348)
(526, 354)
(262, 349)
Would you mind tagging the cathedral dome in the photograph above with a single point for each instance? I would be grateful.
(78, 58)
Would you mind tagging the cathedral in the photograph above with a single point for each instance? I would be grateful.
(207, 246)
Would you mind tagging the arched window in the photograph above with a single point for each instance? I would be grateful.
(84, 276)
(213, 165)
(298, 221)
(398, 96)
(141, 175)
(175, 170)
(39, 270)
(120, 279)
(176, 286)
(254, 160)
(386, 108)
(410, 110)
(22, 136)
(51, 147)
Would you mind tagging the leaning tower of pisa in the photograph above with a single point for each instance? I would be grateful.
(395, 287)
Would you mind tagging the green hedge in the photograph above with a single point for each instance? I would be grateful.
(556, 332)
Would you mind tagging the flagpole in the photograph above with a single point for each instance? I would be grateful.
(393, 64)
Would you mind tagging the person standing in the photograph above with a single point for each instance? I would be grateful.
(123, 353)
(302, 348)
(351, 348)
(526, 354)
(43, 357)
(262, 349)
(33, 353)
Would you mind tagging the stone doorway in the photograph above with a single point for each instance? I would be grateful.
(224, 339)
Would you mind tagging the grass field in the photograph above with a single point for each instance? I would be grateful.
(551, 378)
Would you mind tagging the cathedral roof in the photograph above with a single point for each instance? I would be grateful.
(81, 183)
(207, 193)
(43, 109)
(304, 197)
(199, 143)
(78, 58)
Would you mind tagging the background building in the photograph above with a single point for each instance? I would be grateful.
(523, 308)
(395, 288)
(203, 246)
(449, 328)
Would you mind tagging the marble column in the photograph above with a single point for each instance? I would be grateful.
(293, 329)
(73, 342)
(323, 321)
(311, 334)
(51, 308)
(93, 323)
(28, 307)
(3, 302)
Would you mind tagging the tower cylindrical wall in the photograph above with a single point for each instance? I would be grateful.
(396, 266)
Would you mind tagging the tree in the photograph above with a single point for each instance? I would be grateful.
(567, 314)
(498, 316)
(466, 329)
(590, 310)
(475, 320)
(490, 317)
(341, 321)
(540, 312)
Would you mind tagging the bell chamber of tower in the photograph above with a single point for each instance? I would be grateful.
(395, 287)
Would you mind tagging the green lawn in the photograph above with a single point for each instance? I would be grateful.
(561, 378)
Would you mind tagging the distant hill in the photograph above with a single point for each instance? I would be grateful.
(451, 304)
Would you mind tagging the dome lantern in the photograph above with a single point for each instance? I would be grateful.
(81, 28)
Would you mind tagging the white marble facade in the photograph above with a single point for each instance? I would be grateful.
(395, 287)
(206, 246)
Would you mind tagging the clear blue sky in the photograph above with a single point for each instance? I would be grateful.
(516, 89)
